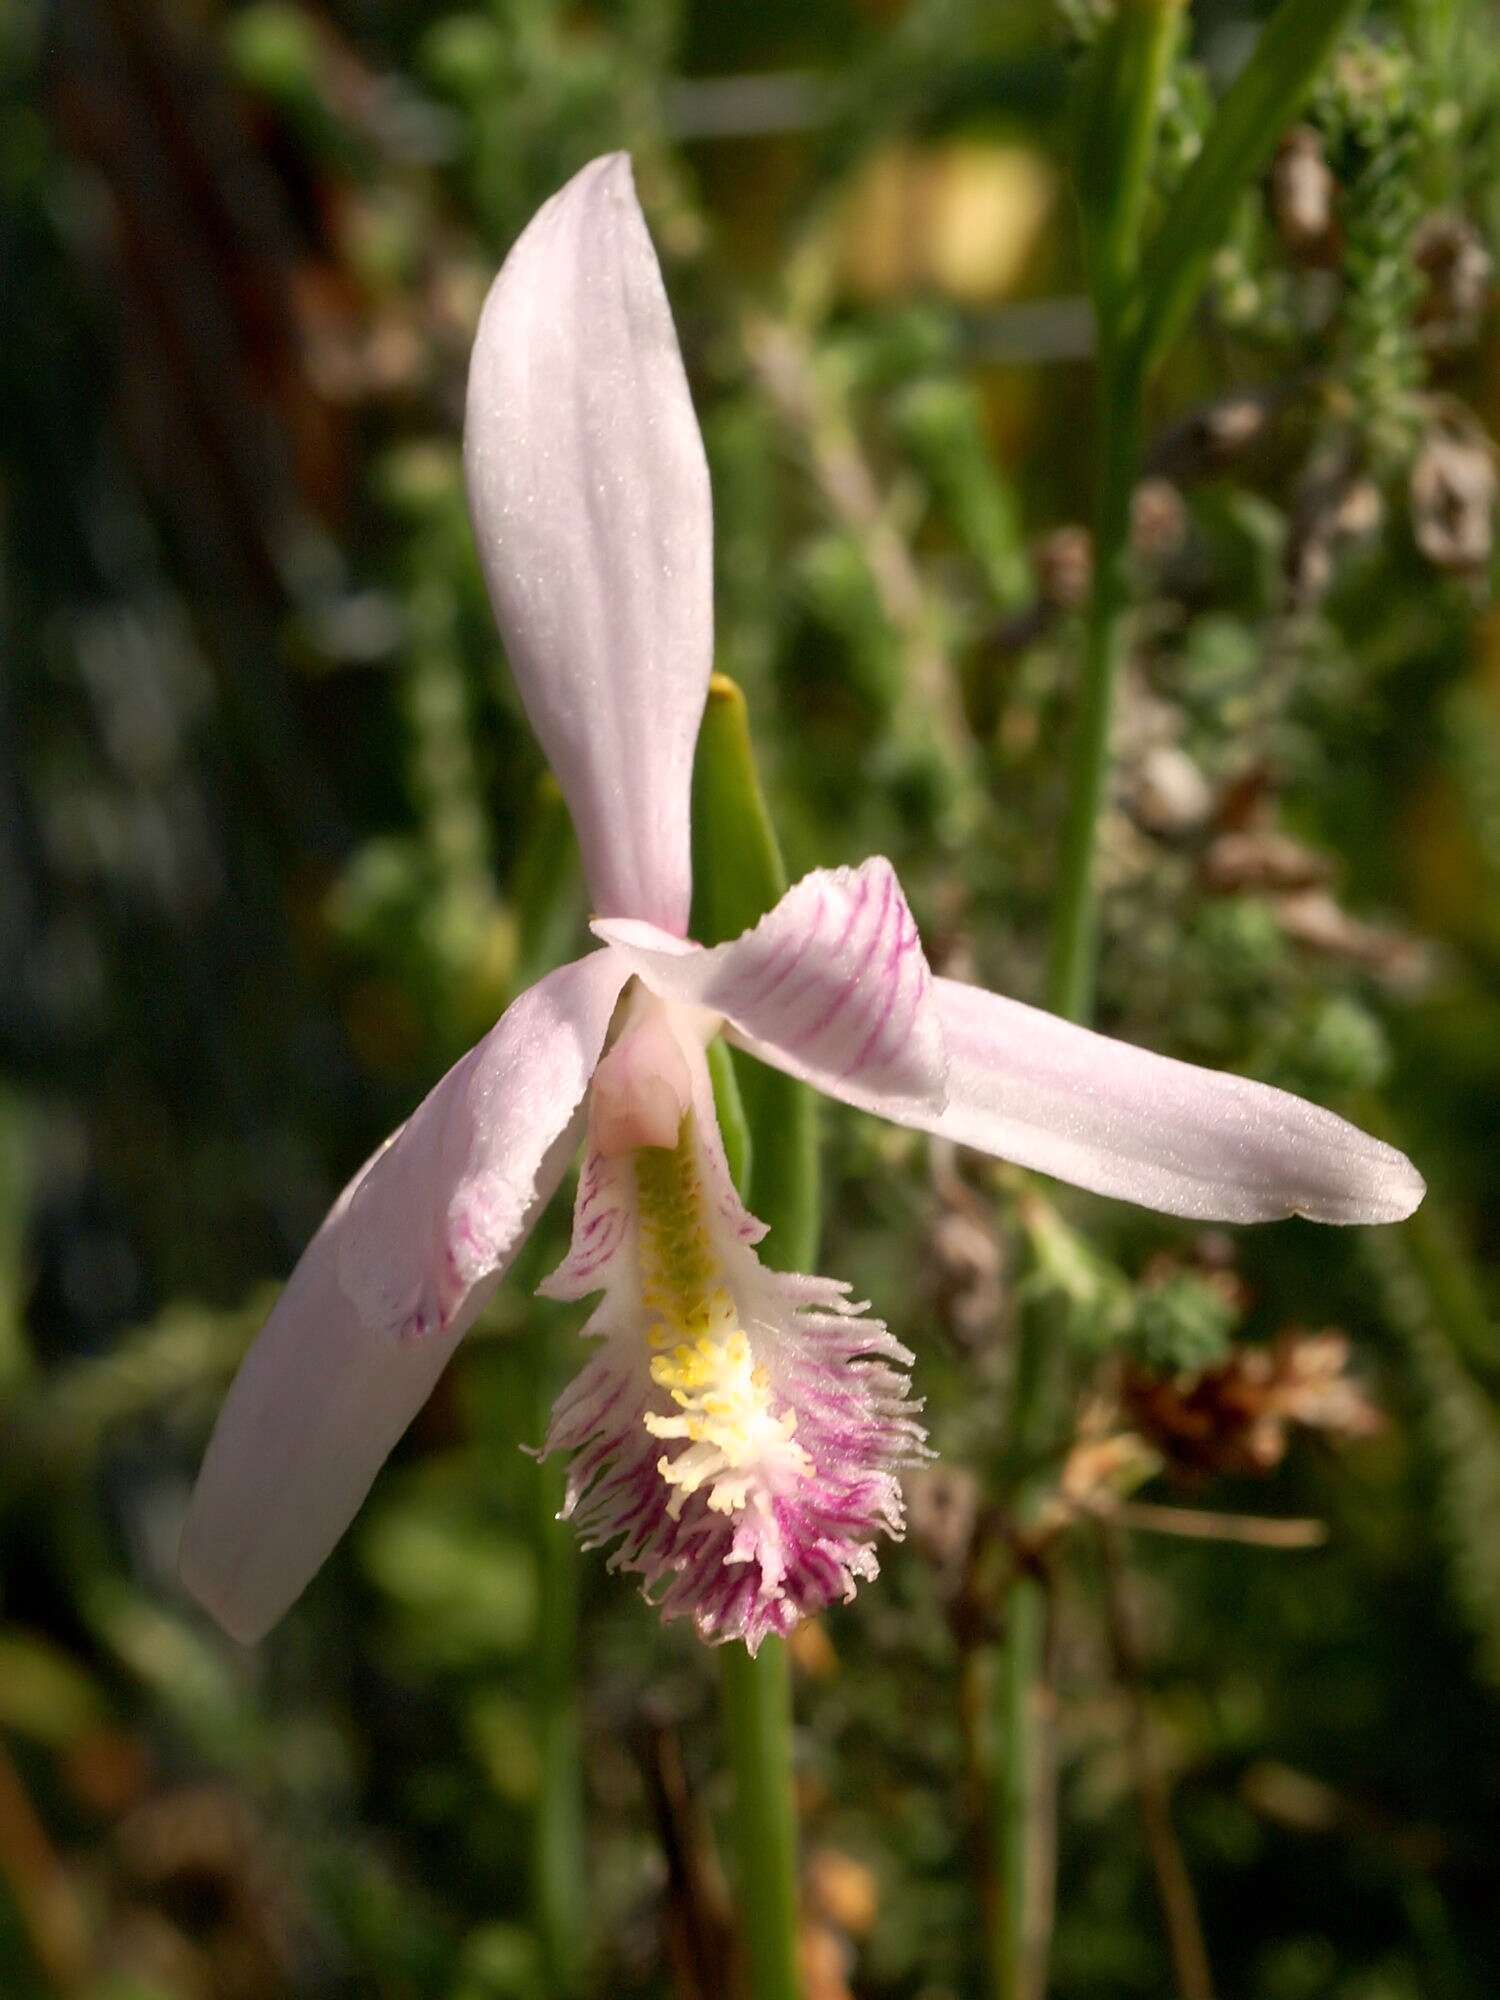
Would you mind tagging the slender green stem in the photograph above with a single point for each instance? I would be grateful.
(758, 1714)
(547, 890)
(1021, 1833)
(1292, 48)
(1143, 291)
(1022, 1828)
(1070, 973)
(769, 1133)
(1119, 108)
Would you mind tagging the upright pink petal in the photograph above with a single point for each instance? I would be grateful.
(1029, 1087)
(382, 1295)
(589, 493)
(831, 986)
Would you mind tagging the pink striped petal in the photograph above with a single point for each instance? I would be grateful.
(831, 986)
(589, 493)
(1029, 1087)
(408, 1256)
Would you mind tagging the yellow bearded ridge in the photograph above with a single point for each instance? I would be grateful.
(704, 1358)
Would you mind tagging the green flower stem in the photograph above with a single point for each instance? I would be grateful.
(1117, 116)
(1070, 971)
(771, 1141)
(1257, 108)
(1144, 286)
(1021, 1831)
(757, 1697)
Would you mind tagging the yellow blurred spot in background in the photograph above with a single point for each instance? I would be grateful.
(965, 218)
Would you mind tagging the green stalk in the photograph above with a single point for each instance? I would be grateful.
(757, 1697)
(771, 1142)
(1257, 108)
(1116, 116)
(1021, 1831)
(1121, 99)
(1143, 286)
(1070, 971)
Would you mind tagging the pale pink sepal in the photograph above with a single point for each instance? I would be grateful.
(382, 1295)
(438, 1207)
(1029, 1087)
(589, 493)
(831, 986)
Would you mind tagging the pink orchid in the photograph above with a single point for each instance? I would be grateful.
(738, 1434)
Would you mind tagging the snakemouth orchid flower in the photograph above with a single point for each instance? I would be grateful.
(738, 1434)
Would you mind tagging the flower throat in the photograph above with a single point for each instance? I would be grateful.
(703, 1357)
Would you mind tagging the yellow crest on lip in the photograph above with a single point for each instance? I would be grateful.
(704, 1359)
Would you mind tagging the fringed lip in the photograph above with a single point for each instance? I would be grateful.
(738, 1435)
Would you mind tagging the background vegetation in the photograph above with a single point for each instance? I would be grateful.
(276, 845)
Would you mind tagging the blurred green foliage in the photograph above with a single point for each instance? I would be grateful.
(276, 845)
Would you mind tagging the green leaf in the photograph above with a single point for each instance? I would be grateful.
(738, 874)
(1117, 111)
(734, 1127)
(1255, 111)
